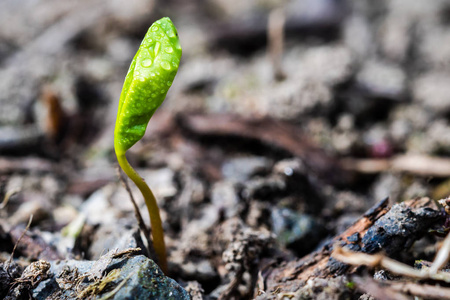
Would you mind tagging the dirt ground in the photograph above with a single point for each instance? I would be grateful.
(295, 134)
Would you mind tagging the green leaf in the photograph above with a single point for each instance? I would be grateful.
(149, 77)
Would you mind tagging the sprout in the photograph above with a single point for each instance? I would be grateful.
(149, 77)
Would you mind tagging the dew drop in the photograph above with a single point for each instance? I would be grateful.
(170, 33)
(157, 47)
(155, 28)
(147, 62)
(168, 49)
(165, 65)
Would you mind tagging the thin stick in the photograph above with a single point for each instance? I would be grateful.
(275, 37)
(379, 260)
(442, 256)
(8, 262)
(8, 196)
(138, 215)
(153, 210)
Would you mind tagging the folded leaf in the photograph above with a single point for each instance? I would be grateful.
(149, 77)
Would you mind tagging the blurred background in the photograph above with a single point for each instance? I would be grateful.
(289, 109)
(360, 77)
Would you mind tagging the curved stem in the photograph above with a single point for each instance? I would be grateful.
(153, 210)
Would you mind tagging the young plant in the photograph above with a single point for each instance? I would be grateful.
(149, 77)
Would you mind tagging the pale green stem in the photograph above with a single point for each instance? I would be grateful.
(153, 210)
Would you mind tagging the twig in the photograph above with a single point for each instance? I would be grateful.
(138, 215)
(8, 262)
(442, 256)
(379, 260)
(422, 165)
(8, 195)
(275, 36)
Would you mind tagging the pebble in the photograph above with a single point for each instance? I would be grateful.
(137, 278)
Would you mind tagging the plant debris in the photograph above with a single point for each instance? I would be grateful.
(301, 153)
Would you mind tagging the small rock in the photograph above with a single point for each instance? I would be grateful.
(224, 197)
(127, 278)
(298, 232)
(433, 91)
(382, 79)
(238, 169)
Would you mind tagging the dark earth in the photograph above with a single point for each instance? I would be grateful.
(294, 131)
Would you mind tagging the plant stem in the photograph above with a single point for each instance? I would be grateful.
(153, 210)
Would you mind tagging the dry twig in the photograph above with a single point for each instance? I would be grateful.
(8, 262)
(275, 36)
(138, 216)
(379, 260)
(442, 256)
(415, 164)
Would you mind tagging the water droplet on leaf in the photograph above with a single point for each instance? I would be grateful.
(165, 65)
(157, 46)
(147, 62)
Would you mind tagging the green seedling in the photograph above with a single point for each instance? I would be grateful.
(149, 77)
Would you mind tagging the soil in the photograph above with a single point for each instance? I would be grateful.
(293, 130)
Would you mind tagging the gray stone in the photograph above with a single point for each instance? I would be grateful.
(432, 91)
(224, 197)
(297, 231)
(238, 169)
(382, 79)
(137, 278)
